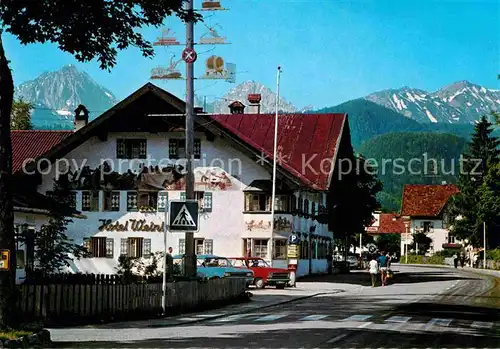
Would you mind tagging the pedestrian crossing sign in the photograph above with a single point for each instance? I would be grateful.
(184, 216)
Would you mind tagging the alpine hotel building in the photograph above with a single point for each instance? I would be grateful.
(124, 166)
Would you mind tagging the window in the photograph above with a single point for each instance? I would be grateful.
(90, 201)
(301, 205)
(147, 199)
(260, 248)
(314, 212)
(131, 201)
(279, 249)
(451, 239)
(204, 200)
(282, 203)
(198, 246)
(131, 148)
(208, 247)
(257, 202)
(111, 201)
(427, 226)
(99, 247)
(238, 263)
(135, 247)
(306, 206)
(72, 198)
(177, 149)
(25, 246)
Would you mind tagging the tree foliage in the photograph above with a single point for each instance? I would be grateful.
(53, 249)
(421, 243)
(20, 118)
(389, 243)
(476, 204)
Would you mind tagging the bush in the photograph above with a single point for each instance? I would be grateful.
(419, 259)
(493, 255)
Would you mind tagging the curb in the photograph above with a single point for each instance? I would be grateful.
(248, 310)
(489, 272)
(35, 340)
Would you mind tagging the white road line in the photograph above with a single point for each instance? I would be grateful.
(481, 324)
(231, 318)
(313, 317)
(398, 319)
(366, 324)
(209, 315)
(358, 318)
(271, 317)
(440, 322)
(336, 339)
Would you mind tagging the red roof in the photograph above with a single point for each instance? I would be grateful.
(389, 223)
(32, 144)
(426, 200)
(302, 139)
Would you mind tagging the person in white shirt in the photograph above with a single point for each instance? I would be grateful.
(374, 270)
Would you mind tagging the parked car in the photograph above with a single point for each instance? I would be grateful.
(353, 261)
(264, 274)
(216, 267)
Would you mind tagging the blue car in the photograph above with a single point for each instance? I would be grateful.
(216, 267)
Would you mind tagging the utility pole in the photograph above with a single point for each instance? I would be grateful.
(484, 238)
(190, 263)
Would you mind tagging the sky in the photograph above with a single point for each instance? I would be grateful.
(330, 51)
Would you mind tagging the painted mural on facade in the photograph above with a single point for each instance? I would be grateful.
(171, 177)
(258, 225)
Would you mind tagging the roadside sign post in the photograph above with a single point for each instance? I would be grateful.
(165, 266)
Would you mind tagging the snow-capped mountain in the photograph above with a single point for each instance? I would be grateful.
(460, 102)
(55, 96)
(241, 92)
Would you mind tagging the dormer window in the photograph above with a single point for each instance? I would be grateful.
(177, 149)
(236, 107)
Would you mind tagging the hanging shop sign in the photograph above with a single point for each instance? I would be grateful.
(166, 39)
(130, 225)
(211, 5)
(169, 73)
(216, 69)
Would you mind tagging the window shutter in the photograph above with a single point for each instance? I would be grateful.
(208, 246)
(131, 201)
(110, 246)
(146, 248)
(183, 195)
(162, 201)
(197, 149)
(182, 246)
(115, 201)
(143, 148)
(207, 202)
(86, 244)
(172, 149)
(123, 246)
(86, 201)
(120, 149)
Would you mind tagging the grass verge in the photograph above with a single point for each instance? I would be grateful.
(13, 334)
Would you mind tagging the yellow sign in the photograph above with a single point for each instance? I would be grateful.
(4, 260)
(293, 251)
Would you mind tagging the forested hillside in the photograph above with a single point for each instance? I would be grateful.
(413, 158)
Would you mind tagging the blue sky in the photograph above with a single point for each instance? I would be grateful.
(330, 51)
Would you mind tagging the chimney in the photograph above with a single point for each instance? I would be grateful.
(254, 100)
(443, 183)
(198, 110)
(237, 107)
(81, 117)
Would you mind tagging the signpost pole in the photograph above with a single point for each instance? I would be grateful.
(165, 266)
(189, 263)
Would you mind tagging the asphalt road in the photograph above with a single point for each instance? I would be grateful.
(424, 308)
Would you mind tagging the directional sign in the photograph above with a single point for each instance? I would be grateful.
(189, 55)
(184, 216)
(372, 248)
(293, 239)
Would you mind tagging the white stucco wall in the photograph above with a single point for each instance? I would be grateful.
(225, 225)
(438, 234)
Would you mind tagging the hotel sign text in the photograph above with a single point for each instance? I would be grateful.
(130, 225)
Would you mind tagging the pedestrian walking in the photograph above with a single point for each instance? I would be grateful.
(374, 270)
(462, 260)
(455, 260)
(383, 262)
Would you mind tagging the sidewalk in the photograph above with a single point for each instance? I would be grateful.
(495, 273)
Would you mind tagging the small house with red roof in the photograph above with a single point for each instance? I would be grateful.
(127, 164)
(424, 208)
(386, 223)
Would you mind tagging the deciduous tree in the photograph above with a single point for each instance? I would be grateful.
(88, 30)
(20, 118)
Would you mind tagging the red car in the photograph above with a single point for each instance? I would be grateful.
(264, 274)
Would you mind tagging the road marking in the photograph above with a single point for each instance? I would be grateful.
(336, 339)
(358, 318)
(440, 322)
(209, 315)
(270, 317)
(231, 318)
(313, 317)
(366, 324)
(481, 324)
(398, 319)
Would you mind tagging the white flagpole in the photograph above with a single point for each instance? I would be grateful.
(275, 152)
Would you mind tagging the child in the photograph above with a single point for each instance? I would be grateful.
(374, 270)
